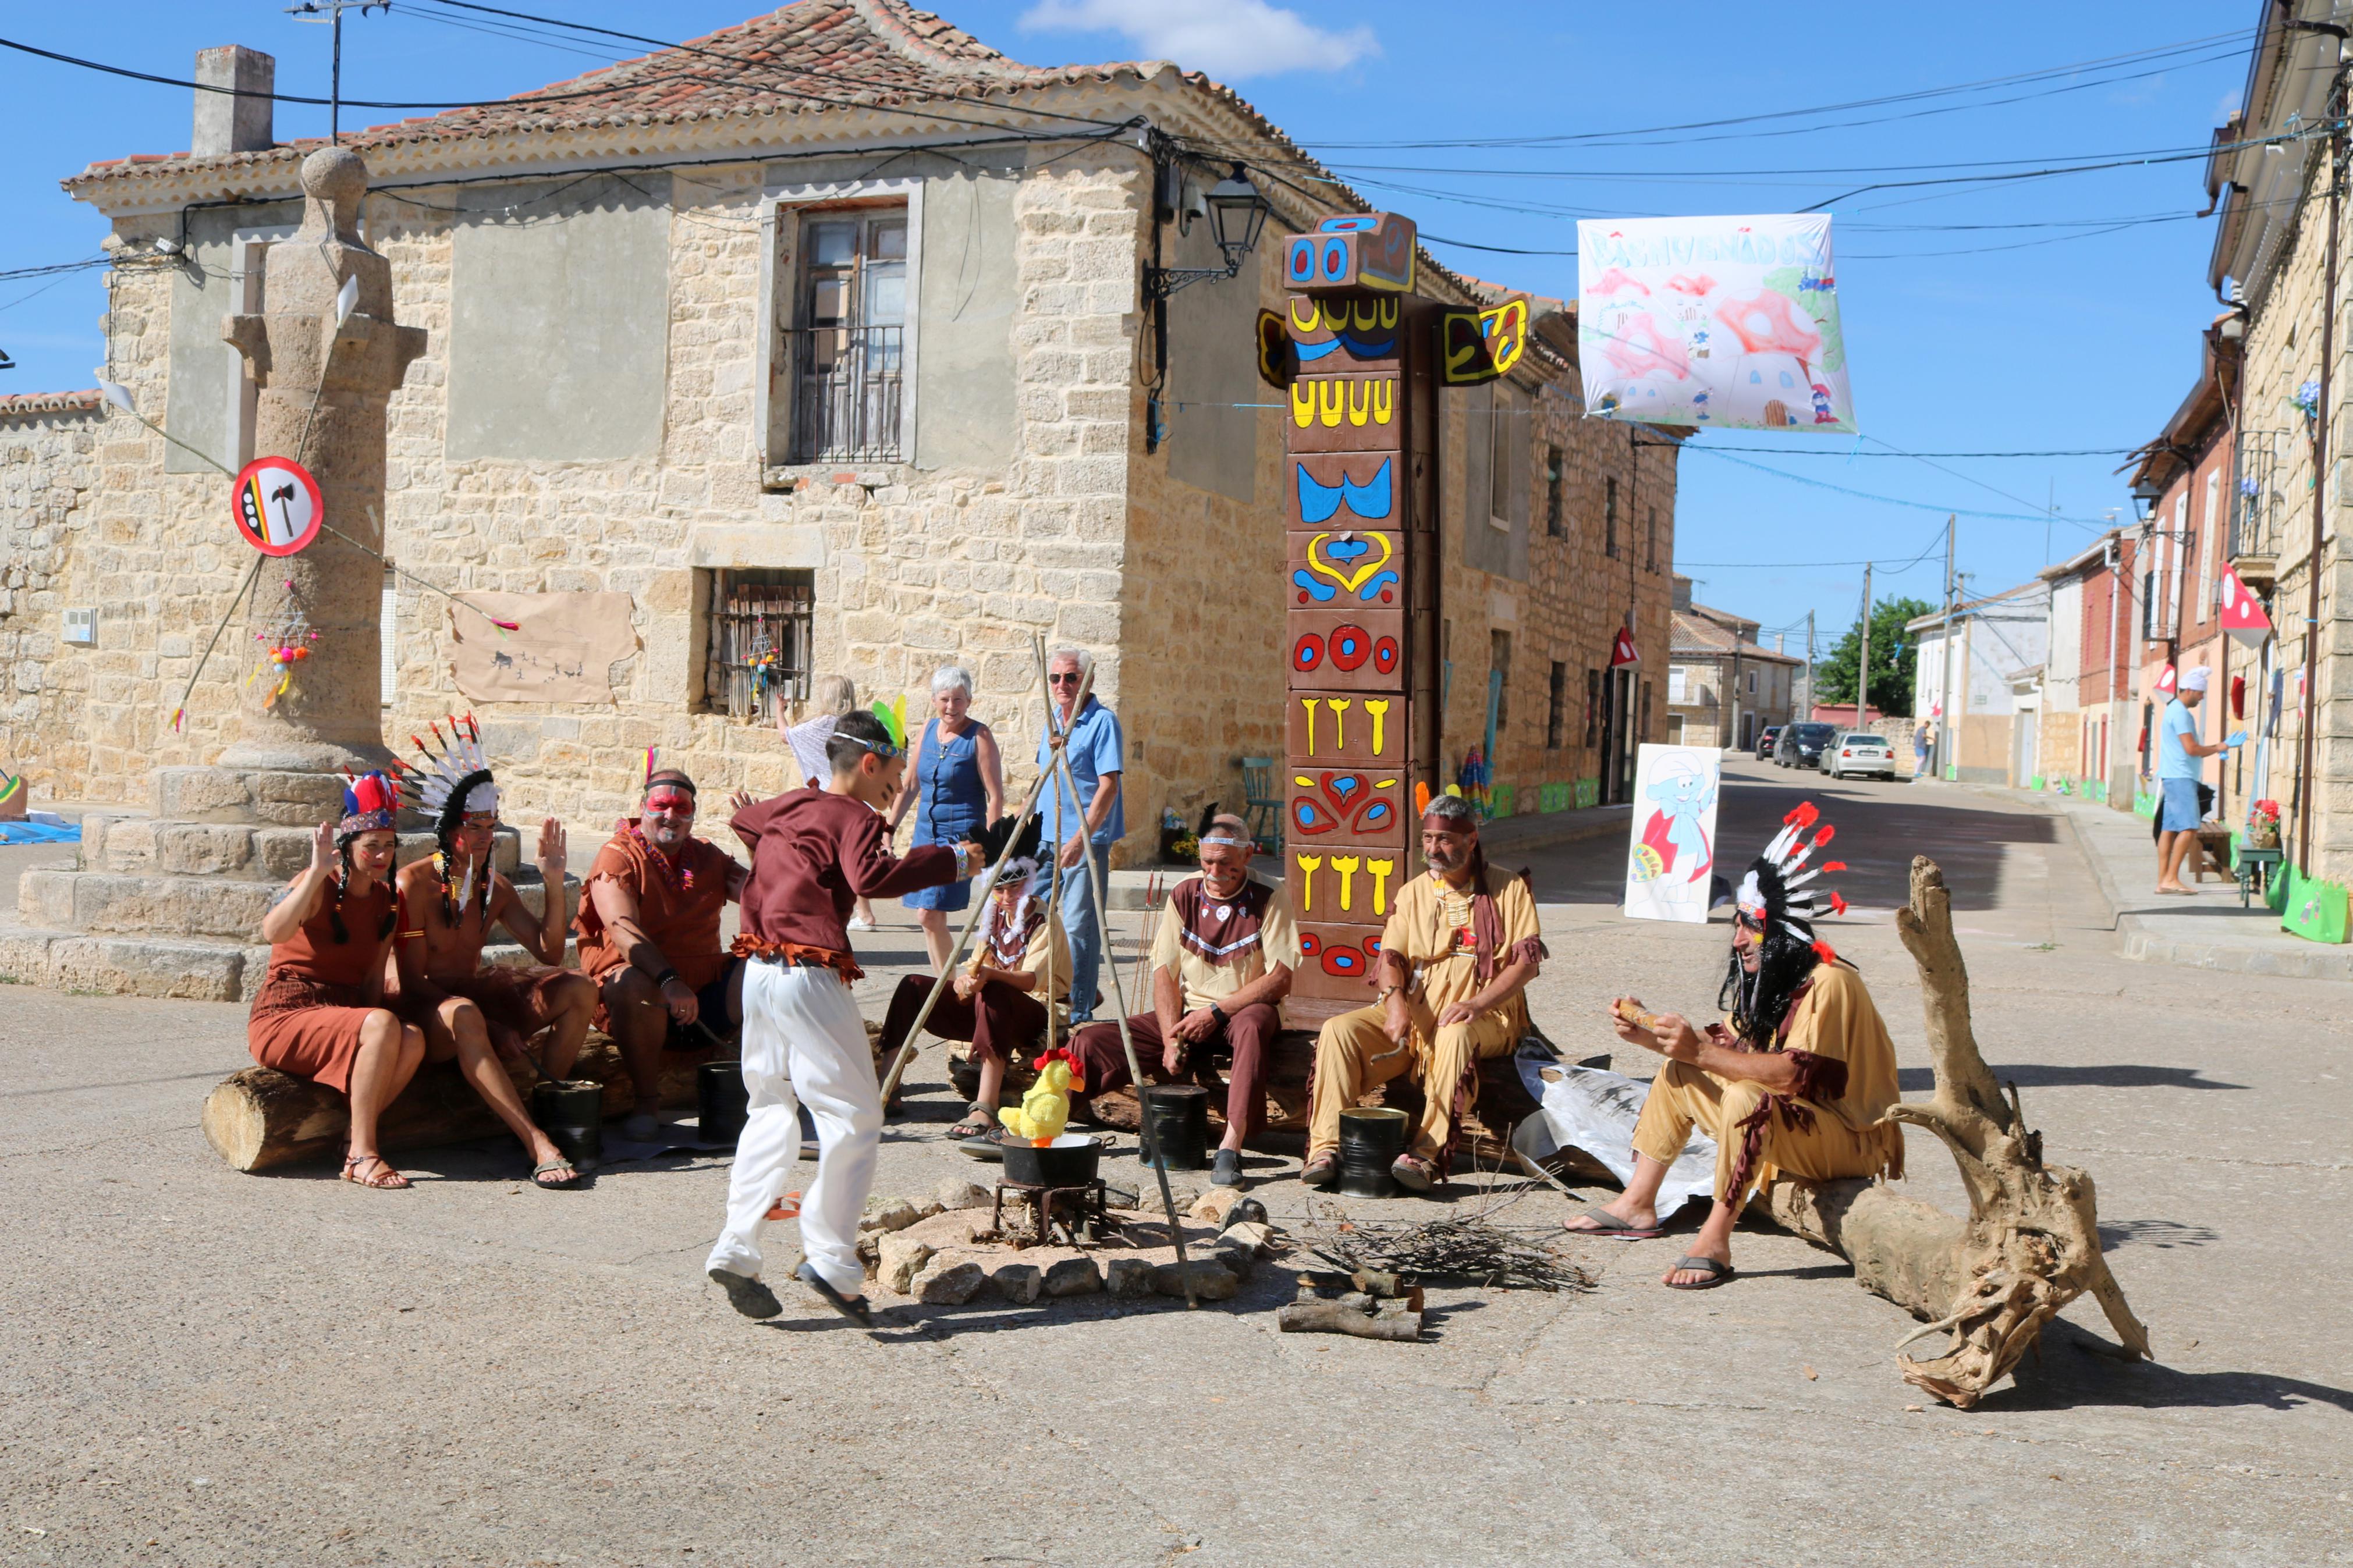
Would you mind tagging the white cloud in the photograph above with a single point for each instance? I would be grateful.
(1230, 39)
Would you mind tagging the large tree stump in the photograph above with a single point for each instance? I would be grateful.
(259, 1117)
(2030, 1243)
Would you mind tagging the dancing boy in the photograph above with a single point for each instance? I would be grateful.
(815, 853)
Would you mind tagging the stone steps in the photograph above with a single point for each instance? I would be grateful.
(191, 969)
(103, 903)
(147, 845)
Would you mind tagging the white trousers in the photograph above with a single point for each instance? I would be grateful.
(802, 1032)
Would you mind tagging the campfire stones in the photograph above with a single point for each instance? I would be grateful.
(1074, 1276)
(1129, 1277)
(945, 1284)
(958, 1194)
(1214, 1204)
(1020, 1283)
(896, 1214)
(901, 1259)
(1211, 1281)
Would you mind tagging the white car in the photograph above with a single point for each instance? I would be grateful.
(1859, 754)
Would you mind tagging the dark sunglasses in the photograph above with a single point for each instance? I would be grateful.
(1069, 679)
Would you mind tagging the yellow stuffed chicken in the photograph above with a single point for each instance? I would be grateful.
(1046, 1109)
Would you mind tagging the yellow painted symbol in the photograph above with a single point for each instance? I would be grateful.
(1308, 866)
(1331, 397)
(1349, 580)
(1311, 704)
(1382, 871)
(1303, 780)
(1378, 708)
(1347, 865)
(1340, 706)
(1302, 403)
(1314, 317)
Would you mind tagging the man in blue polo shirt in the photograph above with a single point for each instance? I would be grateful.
(2179, 754)
(1093, 822)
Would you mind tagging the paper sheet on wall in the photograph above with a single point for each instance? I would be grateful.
(1669, 866)
(1595, 1109)
(563, 649)
(1730, 322)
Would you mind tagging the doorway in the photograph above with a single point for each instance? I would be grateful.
(1618, 737)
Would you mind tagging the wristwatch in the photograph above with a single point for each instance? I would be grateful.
(664, 978)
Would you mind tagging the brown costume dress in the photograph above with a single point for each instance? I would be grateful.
(680, 900)
(306, 1019)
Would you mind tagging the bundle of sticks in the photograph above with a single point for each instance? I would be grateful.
(1472, 1248)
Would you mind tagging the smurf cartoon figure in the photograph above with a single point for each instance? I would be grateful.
(1822, 414)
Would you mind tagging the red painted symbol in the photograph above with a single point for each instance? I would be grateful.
(1351, 646)
(1385, 656)
(1307, 652)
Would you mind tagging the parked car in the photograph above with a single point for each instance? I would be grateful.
(1765, 741)
(1860, 753)
(1800, 745)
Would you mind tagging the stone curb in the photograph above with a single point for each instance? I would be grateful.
(2142, 944)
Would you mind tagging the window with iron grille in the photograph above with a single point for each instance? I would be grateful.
(759, 645)
(1609, 520)
(1592, 707)
(848, 337)
(1651, 549)
(1557, 713)
(1556, 525)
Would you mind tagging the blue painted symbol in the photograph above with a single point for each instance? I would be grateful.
(1318, 502)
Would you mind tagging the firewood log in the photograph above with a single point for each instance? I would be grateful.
(1331, 1318)
(259, 1117)
(2031, 1242)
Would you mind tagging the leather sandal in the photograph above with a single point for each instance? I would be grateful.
(383, 1179)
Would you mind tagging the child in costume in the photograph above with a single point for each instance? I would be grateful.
(320, 1014)
(814, 852)
(447, 905)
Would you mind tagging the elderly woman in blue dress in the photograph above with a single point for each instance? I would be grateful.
(955, 787)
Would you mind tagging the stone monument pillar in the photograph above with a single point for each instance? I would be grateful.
(323, 386)
(171, 904)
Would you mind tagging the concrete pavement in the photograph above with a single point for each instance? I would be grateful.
(213, 1368)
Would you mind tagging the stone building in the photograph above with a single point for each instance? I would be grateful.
(2269, 179)
(844, 360)
(1723, 686)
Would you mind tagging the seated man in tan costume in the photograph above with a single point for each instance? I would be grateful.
(1794, 1083)
(1456, 958)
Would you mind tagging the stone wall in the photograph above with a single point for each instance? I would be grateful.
(48, 447)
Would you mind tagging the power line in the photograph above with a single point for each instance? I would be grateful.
(1893, 501)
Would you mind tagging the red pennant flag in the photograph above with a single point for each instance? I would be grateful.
(2241, 613)
(1622, 652)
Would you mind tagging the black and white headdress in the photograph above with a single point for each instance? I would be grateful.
(1779, 891)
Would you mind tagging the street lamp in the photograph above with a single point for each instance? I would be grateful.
(2145, 494)
(1237, 214)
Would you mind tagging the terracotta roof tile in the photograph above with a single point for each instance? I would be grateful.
(24, 405)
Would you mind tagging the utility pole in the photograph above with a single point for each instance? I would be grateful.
(1810, 671)
(330, 13)
(2308, 807)
(1863, 665)
(1945, 751)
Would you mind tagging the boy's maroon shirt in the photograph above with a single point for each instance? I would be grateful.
(814, 855)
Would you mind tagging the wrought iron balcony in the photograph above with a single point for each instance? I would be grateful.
(2257, 513)
(849, 393)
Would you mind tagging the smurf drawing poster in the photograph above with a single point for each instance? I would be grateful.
(1669, 865)
(1729, 321)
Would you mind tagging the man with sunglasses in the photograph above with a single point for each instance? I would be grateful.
(1089, 826)
(648, 929)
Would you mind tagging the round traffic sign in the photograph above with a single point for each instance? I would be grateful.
(277, 506)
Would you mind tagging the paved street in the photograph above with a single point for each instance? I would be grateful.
(210, 1368)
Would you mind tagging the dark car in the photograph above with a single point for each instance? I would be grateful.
(1765, 741)
(1800, 745)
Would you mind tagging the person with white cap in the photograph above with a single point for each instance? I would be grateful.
(2179, 760)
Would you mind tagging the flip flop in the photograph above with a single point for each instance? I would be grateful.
(570, 1177)
(1609, 1224)
(1717, 1273)
(854, 1308)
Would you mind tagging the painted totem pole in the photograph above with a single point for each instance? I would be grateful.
(1360, 357)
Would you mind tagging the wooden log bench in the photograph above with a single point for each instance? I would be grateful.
(258, 1119)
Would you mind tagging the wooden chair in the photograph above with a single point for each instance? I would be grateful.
(1262, 803)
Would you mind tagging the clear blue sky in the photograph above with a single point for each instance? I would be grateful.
(1966, 336)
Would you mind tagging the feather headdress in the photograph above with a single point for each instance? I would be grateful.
(453, 780)
(453, 777)
(371, 801)
(1779, 888)
(894, 715)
